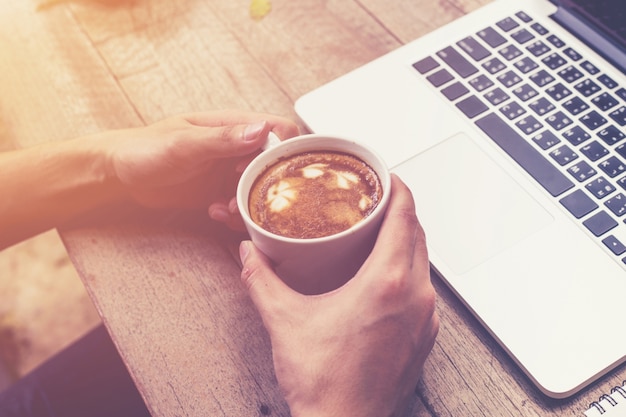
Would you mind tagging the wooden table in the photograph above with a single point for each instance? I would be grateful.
(168, 292)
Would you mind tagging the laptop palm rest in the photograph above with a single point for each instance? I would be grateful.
(470, 208)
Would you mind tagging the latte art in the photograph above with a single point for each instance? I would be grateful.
(314, 194)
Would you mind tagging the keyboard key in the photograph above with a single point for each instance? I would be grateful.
(426, 65)
(614, 245)
(493, 65)
(572, 54)
(538, 48)
(496, 96)
(594, 150)
(611, 135)
(619, 116)
(593, 120)
(570, 74)
(612, 166)
(457, 62)
(541, 78)
(578, 203)
(440, 77)
(558, 91)
(546, 139)
(509, 52)
(621, 150)
(556, 41)
(589, 67)
(524, 153)
(604, 101)
(600, 187)
(473, 48)
(480, 83)
(554, 61)
(526, 65)
(523, 17)
(512, 110)
(507, 24)
(522, 36)
(454, 91)
(621, 93)
(607, 81)
(558, 120)
(509, 78)
(563, 155)
(587, 87)
(471, 106)
(491, 37)
(576, 135)
(529, 125)
(582, 171)
(541, 106)
(622, 183)
(525, 92)
(617, 204)
(575, 106)
(539, 29)
(600, 223)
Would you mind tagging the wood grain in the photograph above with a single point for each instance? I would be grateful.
(54, 84)
(168, 292)
(193, 340)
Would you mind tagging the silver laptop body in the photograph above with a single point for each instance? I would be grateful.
(504, 181)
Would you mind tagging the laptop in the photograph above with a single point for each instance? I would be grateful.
(508, 125)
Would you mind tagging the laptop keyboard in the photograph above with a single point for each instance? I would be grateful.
(550, 109)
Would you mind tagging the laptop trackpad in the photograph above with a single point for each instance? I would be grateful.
(469, 207)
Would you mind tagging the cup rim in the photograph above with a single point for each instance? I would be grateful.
(384, 177)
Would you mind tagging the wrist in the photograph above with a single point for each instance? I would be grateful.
(338, 406)
(94, 183)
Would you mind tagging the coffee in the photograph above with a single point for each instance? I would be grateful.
(314, 194)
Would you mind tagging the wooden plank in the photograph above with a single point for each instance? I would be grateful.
(469, 374)
(186, 327)
(54, 85)
(410, 19)
(213, 55)
(195, 348)
(185, 61)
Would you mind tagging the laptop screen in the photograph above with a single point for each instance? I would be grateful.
(607, 16)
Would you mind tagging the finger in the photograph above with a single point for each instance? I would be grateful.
(283, 127)
(228, 141)
(218, 211)
(401, 237)
(221, 212)
(231, 140)
(267, 291)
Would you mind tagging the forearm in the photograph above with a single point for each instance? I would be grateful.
(45, 186)
(187, 161)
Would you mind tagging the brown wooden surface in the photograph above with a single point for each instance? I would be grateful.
(167, 290)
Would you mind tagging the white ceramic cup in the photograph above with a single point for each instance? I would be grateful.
(317, 265)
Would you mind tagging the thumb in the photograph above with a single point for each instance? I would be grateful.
(267, 291)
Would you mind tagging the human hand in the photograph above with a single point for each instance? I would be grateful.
(191, 160)
(358, 350)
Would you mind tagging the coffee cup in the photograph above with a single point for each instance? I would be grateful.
(325, 261)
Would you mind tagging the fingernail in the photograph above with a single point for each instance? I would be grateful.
(244, 250)
(252, 131)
